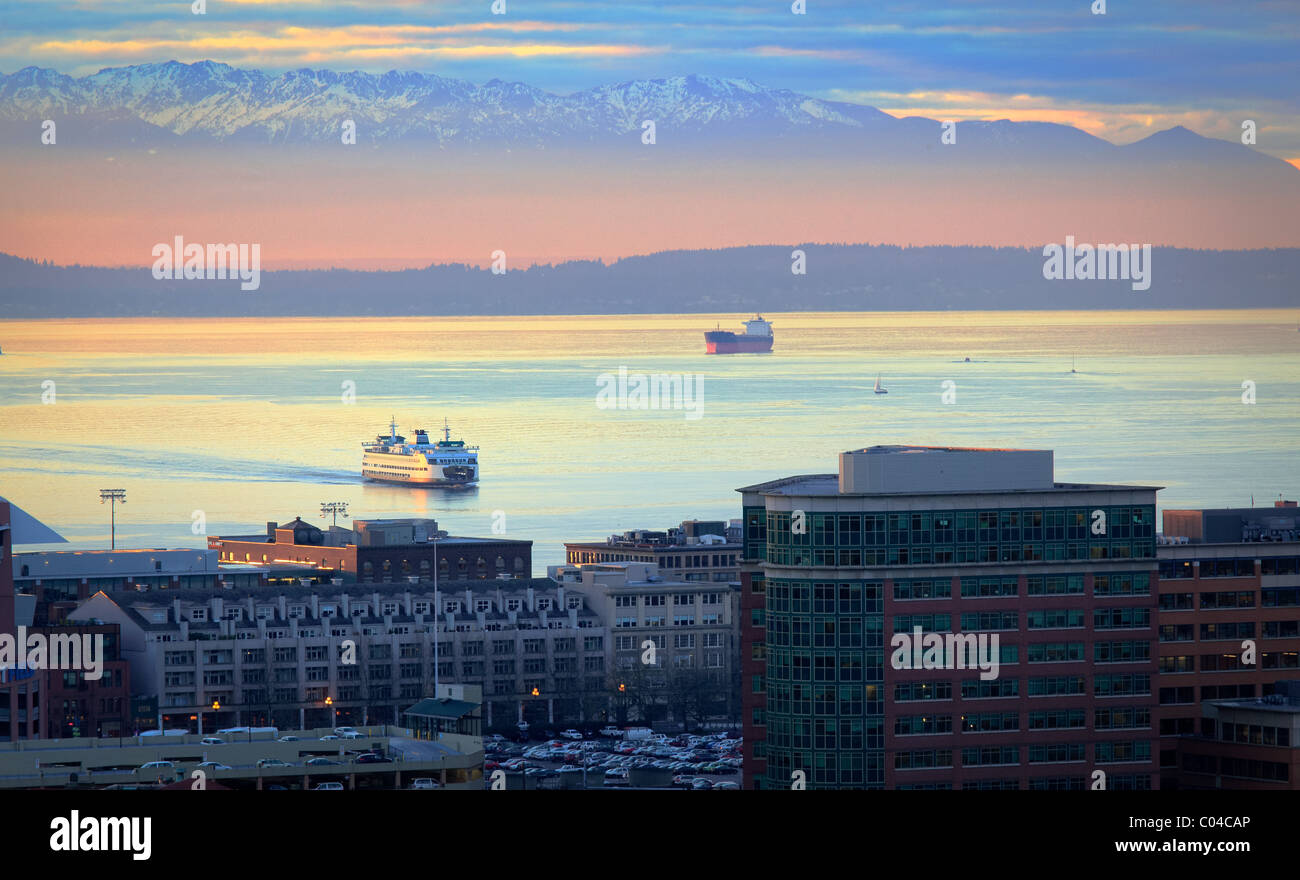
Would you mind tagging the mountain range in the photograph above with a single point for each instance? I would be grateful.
(211, 102)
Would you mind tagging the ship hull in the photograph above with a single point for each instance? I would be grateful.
(403, 470)
(723, 342)
(417, 481)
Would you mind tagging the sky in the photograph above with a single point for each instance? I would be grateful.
(1139, 68)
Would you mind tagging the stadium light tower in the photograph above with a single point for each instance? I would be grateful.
(112, 496)
(334, 508)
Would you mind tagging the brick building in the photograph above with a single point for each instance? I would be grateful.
(378, 551)
(1228, 617)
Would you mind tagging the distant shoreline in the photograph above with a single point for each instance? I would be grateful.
(820, 278)
(1285, 315)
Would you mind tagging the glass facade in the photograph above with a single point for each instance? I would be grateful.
(950, 537)
(825, 683)
(825, 638)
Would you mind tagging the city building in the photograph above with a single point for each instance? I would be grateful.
(247, 760)
(78, 706)
(1244, 744)
(1229, 614)
(313, 655)
(676, 643)
(377, 551)
(21, 689)
(843, 571)
(59, 579)
(697, 550)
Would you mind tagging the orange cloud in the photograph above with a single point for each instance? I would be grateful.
(303, 39)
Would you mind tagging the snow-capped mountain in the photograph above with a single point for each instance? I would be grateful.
(216, 103)
(215, 100)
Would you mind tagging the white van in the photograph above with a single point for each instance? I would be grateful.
(249, 732)
(328, 786)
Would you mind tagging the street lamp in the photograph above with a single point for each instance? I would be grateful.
(112, 496)
(334, 717)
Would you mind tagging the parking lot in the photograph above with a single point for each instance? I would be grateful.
(686, 761)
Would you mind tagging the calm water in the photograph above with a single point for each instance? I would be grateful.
(245, 421)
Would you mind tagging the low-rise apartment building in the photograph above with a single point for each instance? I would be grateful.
(676, 643)
(304, 655)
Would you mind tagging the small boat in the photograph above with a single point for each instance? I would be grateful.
(880, 389)
(1073, 363)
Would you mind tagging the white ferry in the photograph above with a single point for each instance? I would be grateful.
(391, 459)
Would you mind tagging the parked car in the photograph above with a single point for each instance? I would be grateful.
(725, 786)
(330, 736)
(683, 780)
(273, 762)
(616, 776)
(212, 741)
(287, 739)
(345, 729)
(322, 762)
(373, 758)
(701, 785)
(328, 786)
(424, 782)
(154, 766)
(350, 734)
(571, 734)
(611, 731)
(212, 765)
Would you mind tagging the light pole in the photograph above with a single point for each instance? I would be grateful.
(334, 508)
(112, 496)
(334, 714)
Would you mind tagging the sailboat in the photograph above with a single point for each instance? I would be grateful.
(1073, 363)
(879, 389)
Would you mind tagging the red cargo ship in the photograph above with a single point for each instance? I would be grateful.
(757, 337)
